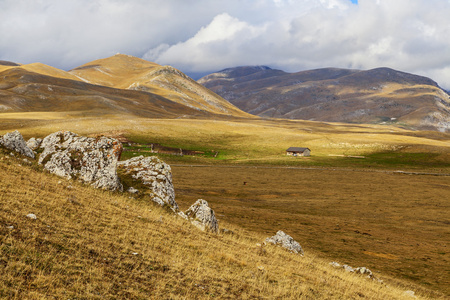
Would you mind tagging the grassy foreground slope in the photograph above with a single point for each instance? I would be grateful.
(88, 243)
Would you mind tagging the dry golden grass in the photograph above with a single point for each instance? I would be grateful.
(91, 244)
(257, 141)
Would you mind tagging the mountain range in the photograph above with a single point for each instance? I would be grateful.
(380, 96)
(127, 85)
(119, 84)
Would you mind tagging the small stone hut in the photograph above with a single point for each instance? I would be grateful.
(298, 151)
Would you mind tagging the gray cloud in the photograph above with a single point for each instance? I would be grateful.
(208, 35)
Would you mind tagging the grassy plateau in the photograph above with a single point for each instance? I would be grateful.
(369, 195)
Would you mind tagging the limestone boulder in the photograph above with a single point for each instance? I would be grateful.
(285, 241)
(202, 216)
(156, 175)
(34, 143)
(14, 141)
(90, 160)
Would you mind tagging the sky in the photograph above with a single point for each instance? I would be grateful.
(204, 36)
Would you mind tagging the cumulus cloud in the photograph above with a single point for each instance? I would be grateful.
(406, 35)
(209, 35)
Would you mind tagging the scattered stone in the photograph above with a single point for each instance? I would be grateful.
(14, 141)
(347, 268)
(155, 174)
(34, 143)
(360, 270)
(410, 294)
(32, 216)
(364, 271)
(90, 160)
(132, 190)
(202, 216)
(286, 241)
(335, 264)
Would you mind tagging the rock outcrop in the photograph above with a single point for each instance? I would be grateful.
(286, 241)
(156, 175)
(90, 160)
(14, 141)
(34, 143)
(202, 216)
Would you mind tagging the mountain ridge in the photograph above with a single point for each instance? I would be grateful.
(381, 95)
(118, 84)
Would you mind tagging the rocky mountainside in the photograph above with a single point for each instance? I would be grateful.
(378, 96)
(119, 84)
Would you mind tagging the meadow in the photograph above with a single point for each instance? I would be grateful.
(369, 195)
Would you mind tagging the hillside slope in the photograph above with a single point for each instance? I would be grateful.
(132, 73)
(377, 96)
(22, 90)
(117, 85)
(87, 243)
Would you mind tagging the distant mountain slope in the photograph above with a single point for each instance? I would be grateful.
(8, 63)
(380, 95)
(22, 90)
(119, 84)
(132, 73)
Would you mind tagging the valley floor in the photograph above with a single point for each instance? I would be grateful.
(391, 222)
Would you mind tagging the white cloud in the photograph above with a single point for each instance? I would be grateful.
(407, 35)
(208, 35)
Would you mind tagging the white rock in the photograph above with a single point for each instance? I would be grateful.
(286, 241)
(410, 294)
(155, 174)
(34, 143)
(89, 160)
(347, 268)
(132, 190)
(32, 216)
(335, 264)
(14, 141)
(202, 216)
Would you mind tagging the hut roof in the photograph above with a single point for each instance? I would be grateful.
(297, 149)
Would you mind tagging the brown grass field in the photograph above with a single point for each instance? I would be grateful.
(360, 211)
(392, 223)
